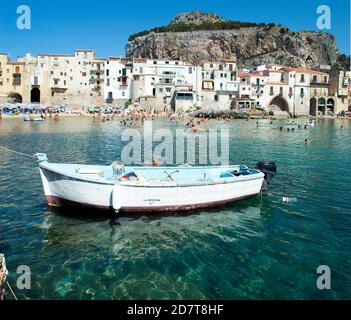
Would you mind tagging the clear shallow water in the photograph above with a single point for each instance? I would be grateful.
(255, 249)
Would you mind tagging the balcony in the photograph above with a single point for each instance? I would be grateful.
(164, 82)
(95, 71)
(319, 82)
(168, 73)
(96, 79)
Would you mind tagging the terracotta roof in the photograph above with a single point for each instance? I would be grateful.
(278, 71)
(242, 75)
(16, 63)
(301, 70)
(55, 55)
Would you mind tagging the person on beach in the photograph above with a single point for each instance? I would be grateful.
(306, 141)
(281, 128)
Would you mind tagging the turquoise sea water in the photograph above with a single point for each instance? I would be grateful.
(260, 248)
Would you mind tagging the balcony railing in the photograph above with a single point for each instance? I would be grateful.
(319, 82)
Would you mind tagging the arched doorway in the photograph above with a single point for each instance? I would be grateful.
(313, 107)
(330, 105)
(280, 102)
(321, 106)
(15, 97)
(35, 95)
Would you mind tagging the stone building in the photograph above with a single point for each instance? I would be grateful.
(11, 79)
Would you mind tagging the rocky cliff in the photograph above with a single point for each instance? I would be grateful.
(195, 36)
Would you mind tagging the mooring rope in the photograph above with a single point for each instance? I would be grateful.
(13, 294)
(17, 152)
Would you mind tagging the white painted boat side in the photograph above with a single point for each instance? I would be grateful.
(61, 189)
(153, 198)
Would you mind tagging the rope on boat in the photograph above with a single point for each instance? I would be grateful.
(3, 275)
(13, 294)
(17, 152)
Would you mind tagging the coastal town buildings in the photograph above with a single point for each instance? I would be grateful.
(118, 81)
(11, 79)
(55, 79)
(81, 80)
(340, 84)
(163, 84)
(219, 85)
(278, 88)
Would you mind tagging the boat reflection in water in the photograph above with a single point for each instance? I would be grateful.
(142, 233)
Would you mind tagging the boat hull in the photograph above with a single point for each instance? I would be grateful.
(62, 190)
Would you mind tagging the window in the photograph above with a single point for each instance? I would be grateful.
(215, 98)
(168, 89)
(190, 70)
(281, 91)
(108, 82)
(84, 74)
(302, 92)
(64, 82)
(107, 72)
(56, 82)
(52, 72)
(325, 79)
(17, 80)
(123, 93)
(161, 90)
(155, 62)
(302, 78)
(271, 92)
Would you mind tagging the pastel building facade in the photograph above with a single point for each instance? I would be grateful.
(12, 81)
(49, 79)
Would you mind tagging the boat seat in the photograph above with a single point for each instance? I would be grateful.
(90, 172)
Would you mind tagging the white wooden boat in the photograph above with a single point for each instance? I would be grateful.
(150, 189)
(30, 118)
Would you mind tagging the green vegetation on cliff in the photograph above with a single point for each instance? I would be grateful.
(187, 27)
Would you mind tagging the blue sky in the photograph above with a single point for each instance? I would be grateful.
(62, 26)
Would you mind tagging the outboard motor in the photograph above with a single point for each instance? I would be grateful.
(269, 169)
